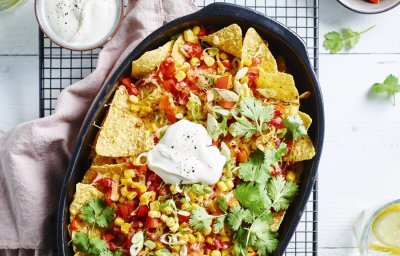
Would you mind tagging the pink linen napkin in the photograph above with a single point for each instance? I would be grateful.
(34, 155)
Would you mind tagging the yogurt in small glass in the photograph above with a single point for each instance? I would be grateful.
(79, 24)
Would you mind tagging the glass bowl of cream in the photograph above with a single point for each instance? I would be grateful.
(79, 24)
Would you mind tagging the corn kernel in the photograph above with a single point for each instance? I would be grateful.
(129, 173)
(192, 239)
(175, 227)
(180, 75)
(247, 62)
(135, 107)
(125, 228)
(122, 199)
(142, 187)
(114, 197)
(199, 237)
(216, 40)
(145, 109)
(229, 184)
(196, 30)
(124, 191)
(215, 253)
(209, 61)
(175, 248)
(185, 237)
(170, 222)
(131, 195)
(221, 186)
(174, 189)
(133, 99)
(194, 61)
(126, 181)
(223, 56)
(147, 197)
(159, 245)
(119, 221)
(244, 80)
(290, 176)
(225, 239)
(163, 217)
(209, 240)
(154, 206)
(154, 214)
(207, 231)
(189, 36)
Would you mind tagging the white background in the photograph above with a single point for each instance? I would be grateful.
(360, 165)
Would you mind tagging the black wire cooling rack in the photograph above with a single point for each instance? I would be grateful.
(59, 68)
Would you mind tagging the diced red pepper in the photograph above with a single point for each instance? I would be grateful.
(151, 222)
(142, 211)
(227, 64)
(193, 49)
(183, 218)
(242, 155)
(74, 225)
(125, 209)
(169, 111)
(167, 68)
(202, 32)
(107, 197)
(130, 86)
(227, 104)
(222, 82)
(104, 184)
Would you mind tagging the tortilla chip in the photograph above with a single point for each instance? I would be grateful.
(102, 160)
(228, 39)
(277, 218)
(254, 46)
(303, 149)
(306, 119)
(150, 60)
(123, 133)
(84, 193)
(107, 171)
(176, 50)
(279, 86)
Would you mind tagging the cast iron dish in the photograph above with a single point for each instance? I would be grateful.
(281, 40)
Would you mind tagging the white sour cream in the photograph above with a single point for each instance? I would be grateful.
(81, 22)
(185, 155)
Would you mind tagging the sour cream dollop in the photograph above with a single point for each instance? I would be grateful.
(185, 155)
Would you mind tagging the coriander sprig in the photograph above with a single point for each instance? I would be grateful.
(348, 38)
(390, 86)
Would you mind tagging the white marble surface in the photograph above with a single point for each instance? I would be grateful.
(360, 163)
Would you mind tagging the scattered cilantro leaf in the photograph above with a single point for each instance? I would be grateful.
(348, 38)
(266, 240)
(295, 125)
(390, 86)
(254, 115)
(222, 203)
(236, 216)
(281, 192)
(106, 253)
(254, 170)
(91, 246)
(97, 212)
(219, 223)
(274, 155)
(200, 219)
(252, 197)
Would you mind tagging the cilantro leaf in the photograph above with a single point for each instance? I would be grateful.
(252, 197)
(266, 240)
(222, 203)
(274, 155)
(348, 38)
(390, 86)
(281, 192)
(252, 110)
(106, 253)
(219, 223)
(236, 217)
(200, 219)
(254, 169)
(295, 125)
(91, 246)
(97, 212)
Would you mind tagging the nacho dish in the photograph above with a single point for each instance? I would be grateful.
(200, 152)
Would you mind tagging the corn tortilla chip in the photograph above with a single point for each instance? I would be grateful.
(150, 60)
(102, 160)
(306, 119)
(279, 86)
(254, 46)
(303, 149)
(106, 171)
(228, 39)
(277, 218)
(123, 133)
(176, 50)
(84, 193)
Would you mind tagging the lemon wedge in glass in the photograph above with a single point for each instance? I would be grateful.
(386, 227)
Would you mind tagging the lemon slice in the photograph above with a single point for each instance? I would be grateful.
(379, 247)
(386, 226)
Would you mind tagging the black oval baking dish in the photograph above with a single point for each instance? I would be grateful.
(282, 41)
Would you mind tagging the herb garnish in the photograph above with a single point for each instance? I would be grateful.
(348, 38)
(97, 212)
(390, 86)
